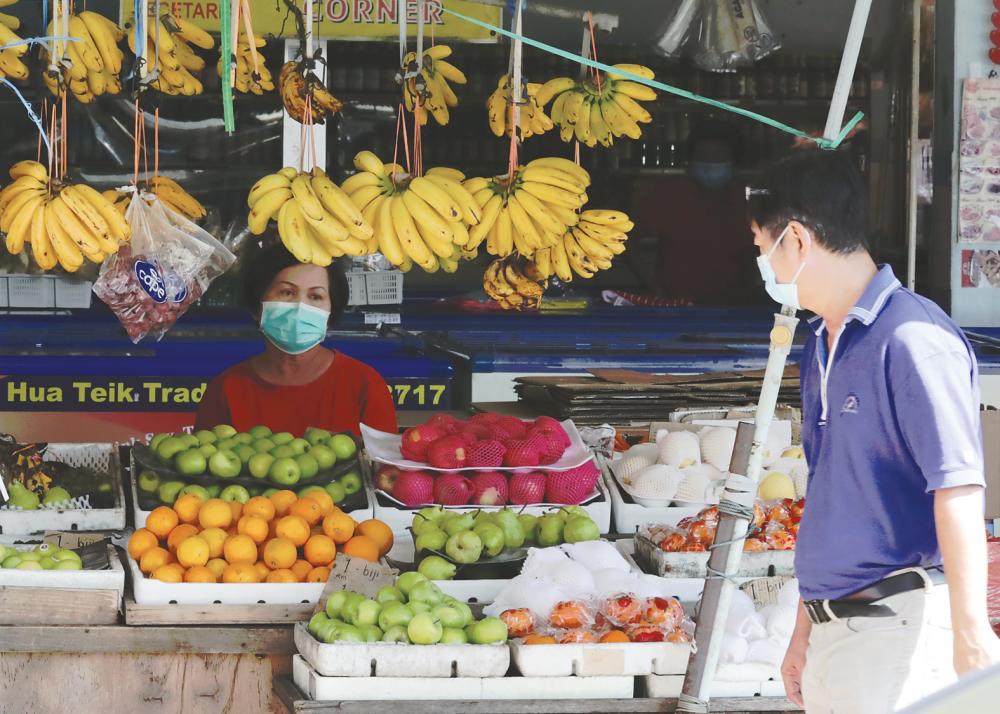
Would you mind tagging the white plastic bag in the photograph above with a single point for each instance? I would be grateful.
(162, 271)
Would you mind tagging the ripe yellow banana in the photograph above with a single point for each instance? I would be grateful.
(388, 242)
(20, 227)
(481, 230)
(306, 197)
(340, 205)
(118, 226)
(267, 184)
(433, 229)
(408, 236)
(471, 210)
(41, 247)
(265, 208)
(436, 197)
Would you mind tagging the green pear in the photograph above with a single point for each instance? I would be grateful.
(22, 498)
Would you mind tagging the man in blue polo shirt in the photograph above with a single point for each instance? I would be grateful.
(891, 556)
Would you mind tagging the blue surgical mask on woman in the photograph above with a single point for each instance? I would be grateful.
(781, 293)
(712, 174)
(293, 327)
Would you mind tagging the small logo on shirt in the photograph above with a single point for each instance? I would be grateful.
(851, 404)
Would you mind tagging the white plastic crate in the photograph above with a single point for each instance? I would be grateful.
(379, 287)
(607, 659)
(356, 293)
(72, 293)
(34, 291)
(112, 579)
(3, 291)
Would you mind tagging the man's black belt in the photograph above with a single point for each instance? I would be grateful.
(864, 602)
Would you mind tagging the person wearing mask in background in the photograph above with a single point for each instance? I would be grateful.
(891, 553)
(296, 383)
(699, 224)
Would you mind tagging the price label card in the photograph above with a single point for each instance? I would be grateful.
(383, 318)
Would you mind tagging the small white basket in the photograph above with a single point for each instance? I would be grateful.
(378, 287)
(3, 291)
(72, 293)
(35, 291)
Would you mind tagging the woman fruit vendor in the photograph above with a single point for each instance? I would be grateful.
(296, 383)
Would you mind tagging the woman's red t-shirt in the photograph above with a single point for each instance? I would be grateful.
(348, 394)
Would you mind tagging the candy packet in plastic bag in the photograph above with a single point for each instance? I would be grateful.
(162, 271)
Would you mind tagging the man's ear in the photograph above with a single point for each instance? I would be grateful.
(801, 239)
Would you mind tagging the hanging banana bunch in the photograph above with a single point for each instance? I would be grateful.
(428, 91)
(63, 223)
(88, 66)
(10, 59)
(585, 248)
(598, 109)
(170, 193)
(533, 119)
(252, 75)
(296, 84)
(171, 59)
(513, 284)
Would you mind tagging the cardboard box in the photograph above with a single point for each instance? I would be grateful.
(991, 460)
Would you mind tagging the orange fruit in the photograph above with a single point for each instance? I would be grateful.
(323, 499)
(316, 530)
(153, 559)
(141, 541)
(161, 521)
(217, 566)
(309, 509)
(193, 551)
(294, 528)
(614, 636)
(259, 506)
(282, 575)
(179, 534)
(320, 550)
(240, 573)
(236, 508)
(280, 553)
(318, 575)
(200, 574)
(262, 571)
(301, 568)
(187, 507)
(215, 513)
(361, 547)
(339, 526)
(216, 538)
(379, 532)
(253, 526)
(282, 501)
(239, 549)
(169, 573)
(539, 640)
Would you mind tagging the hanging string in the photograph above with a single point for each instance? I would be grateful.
(251, 39)
(65, 144)
(593, 49)
(136, 140)
(156, 142)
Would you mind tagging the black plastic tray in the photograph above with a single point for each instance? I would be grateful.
(148, 501)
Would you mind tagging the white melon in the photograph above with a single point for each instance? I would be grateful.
(717, 444)
(700, 484)
(680, 449)
(657, 481)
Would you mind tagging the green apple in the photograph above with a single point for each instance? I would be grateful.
(207, 450)
(56, 494)
(343, 446)
(194, 489)
(426, 592)
(327, 631)
(462, 608)
(351, 481)
(309, 489)
(580, 528)
(389, 593)
(456, 523)
(224, 431)
(245, 452)
(11, 561)
(204, 436)
(226, 444)
(529, 524)
(434, 539)
(350, 610)
(225, 464)
(513, 534)
(316, 436)
(492, 537)
(425, 629)
(255, 491)
(191, 462)
(407, 580)
(335, 603)
(394, 614)
(244, 438)
(31, 555)
(367, 612)
(236, 493)
(449, 615)
(307, 465)
(396, 634)
(283, 437)
(324, 457)
(371, 633)
(29, 565)
(434, 567)
(454, 636)
(418, 607)
(168, 491)
(46, 562)
(282, 452)
(259, 432)
(168, 448)
(157, 439)
(488, 631)
(149, 481)
(316, 621)
(299, 446)
(65, 555)
(349, 633)
(190, 440)
(336, 491)
(259, 465)
(550, 529)
(5, 551)
(214, 490)
(464, 547)
(262, 446)
(285, 472)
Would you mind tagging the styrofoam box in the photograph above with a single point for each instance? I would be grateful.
(320, 688)
(148, 591)
(100, 457)
(401, 518)
(394, 659)
(669, 686)
(601, 659)
(630, 517)
(112, 579)
(687, 590)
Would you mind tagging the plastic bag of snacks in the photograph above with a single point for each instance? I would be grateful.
(166, 267)
(775, 527)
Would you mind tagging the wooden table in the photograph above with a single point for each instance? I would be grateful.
(117, 668)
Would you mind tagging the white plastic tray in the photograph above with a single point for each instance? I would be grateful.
(695, 565)
(392, 659)
(112, 579)
(601, 660)
(101, 457)
(320, 688)
(154, 592)
(669, 686)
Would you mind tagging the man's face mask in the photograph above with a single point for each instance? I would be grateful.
(781, 293)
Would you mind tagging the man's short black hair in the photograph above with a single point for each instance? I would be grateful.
(820, 189)
(262, 264)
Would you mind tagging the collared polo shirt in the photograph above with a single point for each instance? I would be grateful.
(890, 414)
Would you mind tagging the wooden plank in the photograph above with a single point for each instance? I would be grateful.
(276, 640)
(57, 606)
(136, 614)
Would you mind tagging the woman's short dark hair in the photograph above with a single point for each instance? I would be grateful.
(262, 264)
(820, 189)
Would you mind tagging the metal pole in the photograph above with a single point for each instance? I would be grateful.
(914, 167)
(848, 63)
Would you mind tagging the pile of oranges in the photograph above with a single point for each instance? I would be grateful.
(276, 539)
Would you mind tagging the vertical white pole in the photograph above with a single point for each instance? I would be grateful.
(915, 166)
(848, 63)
